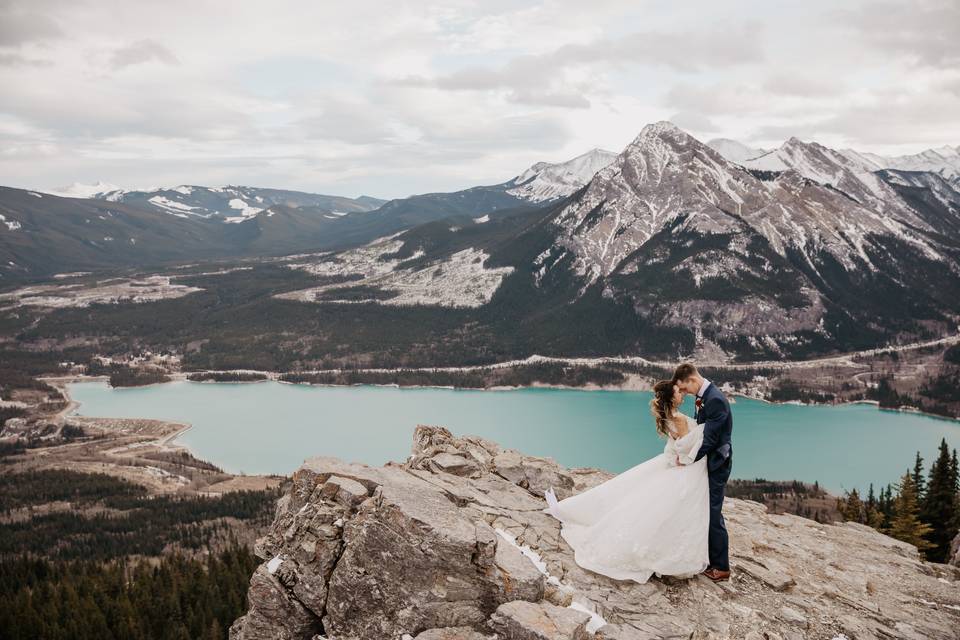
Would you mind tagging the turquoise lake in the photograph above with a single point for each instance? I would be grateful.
(269, 427)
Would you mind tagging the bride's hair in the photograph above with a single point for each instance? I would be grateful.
(661, 406)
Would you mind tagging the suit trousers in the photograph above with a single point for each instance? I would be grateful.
(718, 541)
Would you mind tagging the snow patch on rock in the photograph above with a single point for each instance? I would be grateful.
(274, 564)
(12, 225)
(246, 211)
(459, 280)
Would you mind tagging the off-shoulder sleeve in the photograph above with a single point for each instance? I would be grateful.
(670, 451)
(688, 446)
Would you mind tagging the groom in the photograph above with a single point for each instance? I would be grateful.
(713, 411)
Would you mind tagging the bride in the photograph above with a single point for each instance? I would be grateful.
(652, 518)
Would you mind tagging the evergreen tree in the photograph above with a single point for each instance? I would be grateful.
(906, 524)
(955, 473)
(886, 506)
(853, 508)
(873, 514)
(940, 505)
(918, 480)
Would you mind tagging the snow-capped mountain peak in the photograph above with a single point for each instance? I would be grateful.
(851, 173)
(666, 177)
(82, 190)
(943, 160)
(735, 151)
(664, 173)
(545, 181)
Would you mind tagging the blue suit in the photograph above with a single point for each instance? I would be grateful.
(717, 428)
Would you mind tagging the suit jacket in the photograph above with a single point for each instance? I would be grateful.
(717, 428)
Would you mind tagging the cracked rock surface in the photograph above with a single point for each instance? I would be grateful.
(452, 544)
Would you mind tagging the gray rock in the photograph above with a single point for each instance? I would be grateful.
(774, 580)
(955, 551)
(454, 633)
(454, 541)
(274, 612)
(794, 616)
(625, 632)
(520, 620)
(457, 465)
(344, 491)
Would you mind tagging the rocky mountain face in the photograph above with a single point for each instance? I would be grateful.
(672, 248)
(669, 249)
(943, 161)
(545, 181)
(454, 543)
(762, 256)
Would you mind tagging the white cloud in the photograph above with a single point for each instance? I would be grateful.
(391, 99)
(141, 51)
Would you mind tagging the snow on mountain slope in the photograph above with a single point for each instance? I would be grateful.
(852, 174)
(930, 193)
(233, 204)
(735, 151)
(82, 190)
(460, 279)
(545, 181)
(666, 175)
(752, 261)
(246, 211)
(944, 161)
(661, 175)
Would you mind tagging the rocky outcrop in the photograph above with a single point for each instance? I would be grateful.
(453, 543)
(955, 551)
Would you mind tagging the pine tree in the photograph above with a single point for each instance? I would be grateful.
(955, 473)
(886, 506)
(905, 524)
(853, 507)
(873, 513)
(918, 477)
(939, 509)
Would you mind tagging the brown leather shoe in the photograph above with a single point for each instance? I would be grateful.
(716, 575)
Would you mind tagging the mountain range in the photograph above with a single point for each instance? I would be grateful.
(97, 226)
(672, 246)
(943, 161)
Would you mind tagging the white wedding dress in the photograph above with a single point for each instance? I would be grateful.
(652, 518)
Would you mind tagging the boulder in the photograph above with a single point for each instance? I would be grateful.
(521, 620)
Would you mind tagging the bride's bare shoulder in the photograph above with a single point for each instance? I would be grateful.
(681, 425)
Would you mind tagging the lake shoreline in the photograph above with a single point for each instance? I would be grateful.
(271, 376)
(272, 429)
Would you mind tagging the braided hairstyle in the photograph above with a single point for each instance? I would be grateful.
(661, 406)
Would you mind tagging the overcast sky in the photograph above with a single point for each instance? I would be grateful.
(394, 98)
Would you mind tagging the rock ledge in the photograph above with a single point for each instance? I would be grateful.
(452, 544)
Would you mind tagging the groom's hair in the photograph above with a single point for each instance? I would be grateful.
(684, 371)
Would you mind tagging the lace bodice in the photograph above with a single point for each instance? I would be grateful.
(685, 447)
